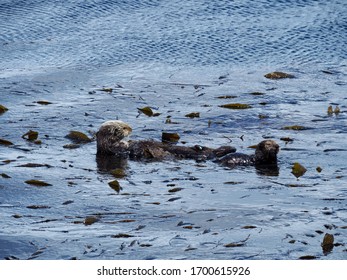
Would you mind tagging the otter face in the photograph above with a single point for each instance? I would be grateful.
(267, 151)
(110, 135)
(116, 129)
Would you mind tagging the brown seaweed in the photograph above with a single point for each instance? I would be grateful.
(115, 185)
(298, 170)
(193, 115)
(5, 142)
(37, 183)
(236, 106)
(278, 75)
(31, 135)
(3, 109)
(78, 137)
(170, 137)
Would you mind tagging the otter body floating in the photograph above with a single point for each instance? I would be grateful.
(265, 154)
(110, 141)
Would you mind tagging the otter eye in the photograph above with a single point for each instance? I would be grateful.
(198, 148)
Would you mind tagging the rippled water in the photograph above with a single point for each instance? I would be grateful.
(176, 57)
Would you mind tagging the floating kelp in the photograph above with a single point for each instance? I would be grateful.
(37, 183)
(3, 175)
(232, 183)
(7, 161)
(236, 106)
(43, 102)
(175, 190)
(295, 127)
(253, 146)
(126, 221)
(328, 243)
(31, 135)
(122, 235)
(188, 227)
(332, 111)
(174, 199)
(38, 207)
(146, 245)
(222, 77)
(193, 115)
(336, 110)
(67, 202)
(226, 96)
(78, 137)
(262, 116)
(17, 216)
(170, 121)
(34, 165)
(248, 227)
(287, 139)
(148, 111)
(71, 146)
(90, 220)
(256, 93)
(170, 137)
(328, 72)
(298, 170)
(278, 75)
(3, 109)
(237, 244)
(108, 90)
(5, 142)
(115, 185)
(118, 173)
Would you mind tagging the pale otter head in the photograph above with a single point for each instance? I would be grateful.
(266, 152)
(109, 138)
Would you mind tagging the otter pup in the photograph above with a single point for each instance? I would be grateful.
(110, 141)
(265, 155)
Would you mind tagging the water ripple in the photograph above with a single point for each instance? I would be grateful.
(104, 32)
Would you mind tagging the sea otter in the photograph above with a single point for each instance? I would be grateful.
(110, 141)
(265, 156)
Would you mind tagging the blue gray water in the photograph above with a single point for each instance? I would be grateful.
(176, 57)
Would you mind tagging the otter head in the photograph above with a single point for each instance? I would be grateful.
(109, 138)
(266, 152)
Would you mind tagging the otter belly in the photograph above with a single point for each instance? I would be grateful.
(236, 159)
(157, 151)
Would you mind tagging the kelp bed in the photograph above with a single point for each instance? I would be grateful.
(58, 202)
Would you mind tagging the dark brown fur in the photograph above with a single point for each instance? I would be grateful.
(265, 154)
(110, 141)
(154, 150)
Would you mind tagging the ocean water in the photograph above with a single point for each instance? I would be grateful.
(176, 57)
(90, 34)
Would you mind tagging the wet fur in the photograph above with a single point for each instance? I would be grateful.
(265, 154)
(110, 141)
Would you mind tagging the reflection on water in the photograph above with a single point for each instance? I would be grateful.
(268, 170)
(106, 163)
